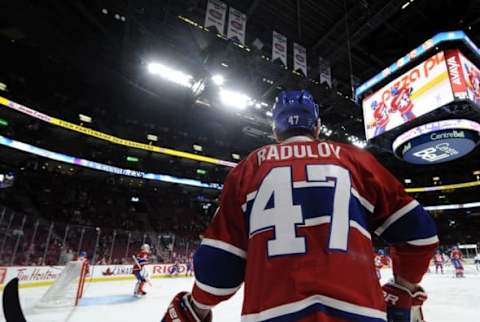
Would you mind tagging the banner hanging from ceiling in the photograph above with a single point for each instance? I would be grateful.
(299, 58)
(324, 71)
(237, 22)
(215, 15)
(279, 47)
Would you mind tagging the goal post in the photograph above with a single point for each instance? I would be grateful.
(67, 290)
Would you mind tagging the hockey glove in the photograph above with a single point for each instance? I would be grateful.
(181, 310)
(403, 305)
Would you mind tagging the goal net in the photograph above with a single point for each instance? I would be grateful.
(67, 288)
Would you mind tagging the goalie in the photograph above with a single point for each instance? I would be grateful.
(139, 269)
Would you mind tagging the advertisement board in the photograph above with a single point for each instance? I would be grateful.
(36, 276)
(472, 78)
(417, 92)
(437, 142)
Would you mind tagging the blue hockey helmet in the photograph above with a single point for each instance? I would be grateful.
(294, 110)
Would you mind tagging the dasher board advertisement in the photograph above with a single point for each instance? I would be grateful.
(417, 92)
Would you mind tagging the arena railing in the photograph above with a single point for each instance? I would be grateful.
(31, 241)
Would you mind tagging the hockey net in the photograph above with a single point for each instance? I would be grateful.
(67, 290)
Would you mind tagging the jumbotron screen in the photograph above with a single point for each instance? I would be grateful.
(417, 92)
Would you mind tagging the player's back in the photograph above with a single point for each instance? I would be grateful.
(307, 214)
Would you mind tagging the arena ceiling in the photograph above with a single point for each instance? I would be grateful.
(99, 49)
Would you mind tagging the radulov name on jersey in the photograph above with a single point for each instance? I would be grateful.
(298, 151)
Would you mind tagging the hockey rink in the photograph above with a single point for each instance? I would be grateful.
(450, 300)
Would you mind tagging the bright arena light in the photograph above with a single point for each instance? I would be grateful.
(172, 75)
(234, 99)
(218, 79)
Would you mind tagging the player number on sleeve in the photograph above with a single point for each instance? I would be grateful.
(284, 216)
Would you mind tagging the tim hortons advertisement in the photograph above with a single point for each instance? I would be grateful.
(419, 91)
(30, 276)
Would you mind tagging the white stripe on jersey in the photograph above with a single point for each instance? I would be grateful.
(396, 216)
(224, 246)
(424, 241)
(215, 290)
(326, 220)
(314, 299)
(363, 201)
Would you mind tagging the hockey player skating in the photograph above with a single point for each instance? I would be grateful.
(438, 261)
(456, 258)
(139, 270)
(293, 226)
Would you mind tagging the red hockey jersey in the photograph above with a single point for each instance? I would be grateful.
(141, 258)
(294, 224)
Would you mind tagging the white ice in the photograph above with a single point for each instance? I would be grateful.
(450, 300)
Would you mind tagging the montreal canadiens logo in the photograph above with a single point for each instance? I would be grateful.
(299, 58)
(279, 47)
(215, 14)
(237, 25)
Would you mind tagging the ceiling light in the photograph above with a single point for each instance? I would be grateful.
(151, 137)
(476, 172)
(234, 99)
(197, 148)
(85, 118)
(268, 113)
(104, 11)
(235, 156)
(258, 105)
(172, 75)
(408, 180)
(436, 178)
(405, 5)
(218, 79)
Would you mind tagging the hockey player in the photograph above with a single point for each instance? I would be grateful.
(456, 258)
(402, 102)
(189, 272)
(293, 226)
(139, 270)
(381, 117)
(477, 262)
(438, 261)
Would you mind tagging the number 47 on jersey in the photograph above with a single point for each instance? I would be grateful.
(285, 216)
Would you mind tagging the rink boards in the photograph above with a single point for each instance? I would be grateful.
(36, 276)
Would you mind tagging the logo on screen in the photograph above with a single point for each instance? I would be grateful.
(436, 153)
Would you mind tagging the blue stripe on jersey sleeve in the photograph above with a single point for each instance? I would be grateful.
(416, 224)
(218, 268)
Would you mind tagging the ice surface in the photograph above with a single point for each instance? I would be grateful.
(450, 300)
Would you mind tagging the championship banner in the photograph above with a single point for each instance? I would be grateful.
(299, 58)
(279, 47)
(237, 22)
(324, 71)
(215, 15)
(418, 91)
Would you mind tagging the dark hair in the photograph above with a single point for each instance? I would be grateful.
(295, 132)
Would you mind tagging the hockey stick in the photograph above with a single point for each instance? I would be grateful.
(138, 264)
(11, 303)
